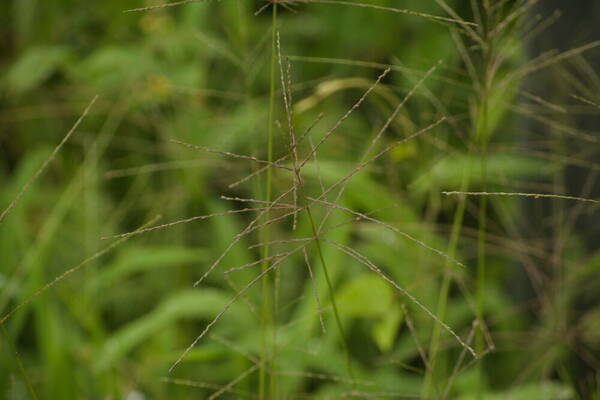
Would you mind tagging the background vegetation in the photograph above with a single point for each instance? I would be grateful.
(474, 101)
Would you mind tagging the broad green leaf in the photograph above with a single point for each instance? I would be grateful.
(364, 192)
(145, 259)
(112, 67)
(365, 297)
(384, 332)
(203, 304)
(35, 66)
(14, 235)
(447, 174)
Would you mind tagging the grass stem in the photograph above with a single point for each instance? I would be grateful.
(267, 311)
(19, 363)
(334, 306)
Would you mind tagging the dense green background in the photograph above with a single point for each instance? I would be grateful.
(199, 73)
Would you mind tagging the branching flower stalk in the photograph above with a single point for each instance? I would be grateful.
(483, 93)
(305, 202)
(267, 379)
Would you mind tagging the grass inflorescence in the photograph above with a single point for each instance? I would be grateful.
(346, 216)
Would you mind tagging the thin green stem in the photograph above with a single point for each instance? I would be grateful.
(19, 363)
(482, 138)
(479, 143)
(266, 310)
(336, 313)
(431, 375)
(305, 200)
(481, 273)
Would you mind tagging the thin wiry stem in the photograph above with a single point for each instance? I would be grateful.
(332, 296)
(276, 219)
(375, 65)
(538, 28)
(244, 298)
(378, 395)
(364, 260)
(248, 229)
(392, 228)
(154, 167)
(553, 58)
(191, 219)
(235, 381)
(360, 166)
(344, 117)
(225, 309)
(317, 165)
(512, 17)
(544, 102)
(413, 333)
(373, 143)
(235, 348)
(457, 226)
(271, 203)
(48, 160)
(234, 155)
(267, 312)
(534, 195)
(281, 241)
(482, 135)
(19, 362)
(396, 111)
(203, 385)
(299, 193)
(563, 128)
(584, 100)
(287, 99)
(390, 9)
(459, 363)
(472, 34)
(325, 377)
(321, 232)
(316, 290)
(253, 263)
(161, 6)
(70, 271)
(279, 160)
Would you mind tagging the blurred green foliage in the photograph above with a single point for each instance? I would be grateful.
(199, 73)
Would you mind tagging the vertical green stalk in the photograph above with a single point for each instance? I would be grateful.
(305, 203)
(336, 313)
(481, 253)
(482, 136)
(20, 366)
(266, 310)
(434, 362)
